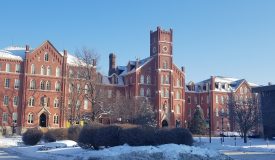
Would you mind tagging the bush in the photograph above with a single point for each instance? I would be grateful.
(96, 136)
(73, 133)
(32, 136)
(176, 136)
(56, 134)
(137, 136)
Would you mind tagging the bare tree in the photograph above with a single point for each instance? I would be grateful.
(245, 113)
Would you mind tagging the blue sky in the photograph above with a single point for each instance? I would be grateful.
(233, 38)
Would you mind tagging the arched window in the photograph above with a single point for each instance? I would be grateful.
(32, 84)
(43, 70)
(55, 119)
(86, 103)
(30, 118)
(86, 89)
(44, 101)
(166, 92)
(42, 85)
(142, 79)
(148, 92)
(32, 69)
(49, 71)
(177, 95)
(46, 57)
(165, 65)
(148, 79)
(166, 79)
(178, 83)
(141, 92)
(162, 92)
(48, 85)
(57, 86)
(31, 101)
(57, 72)
(56, 103)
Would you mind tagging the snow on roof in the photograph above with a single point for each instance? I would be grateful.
(13, 52)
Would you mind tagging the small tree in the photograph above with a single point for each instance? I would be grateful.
(198, 124)
(246, 114)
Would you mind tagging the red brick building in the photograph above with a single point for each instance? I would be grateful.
(213, 94)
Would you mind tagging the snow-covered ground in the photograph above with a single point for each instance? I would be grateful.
(70, 151)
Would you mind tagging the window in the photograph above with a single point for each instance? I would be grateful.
(148, 92)
(162, 79)
(5, 117)
(166, 79)
(42, 85)
(148, 79)
(15, 100)
(17, 68)
(16, 83)
(14, 117)
(109, 93)
(32, 69)
(189, 100)
(178, 83)
(55, 119)
(86, 89)
(32, 84)
(177, 95)
(142, 79)
(30, 118)
(222, 99)
(71, 74)
(241, 90)
(46, 57)
(57, 86)
(56, 103)
(217, 112)
(222, 111)
(57, 72)
(78, 88)
(69, 103)
(217, 99)
(8, 67)
(141, 92)
(44, 101)
(7, 83)
(49, 71)
(86, 104)
(31, 101)
(77, 104)
(6, 100)
(178, 109)
(166, 92)
(48, 85)
(43, 70)
(165, 65)
(162, 92)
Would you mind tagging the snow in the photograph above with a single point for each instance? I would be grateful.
(5, 54)
(68, 150)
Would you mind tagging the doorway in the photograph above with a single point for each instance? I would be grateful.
(164, 123)
(43, 120)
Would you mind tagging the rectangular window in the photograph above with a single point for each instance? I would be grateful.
(15, 100)
(6, 100)
(217, 99)
(8, 67)
(30, 118)
(55, 119)
(7, 83)
(5, 117)
(14, 117)
(17, 68)
(16, 83)
(189, 100)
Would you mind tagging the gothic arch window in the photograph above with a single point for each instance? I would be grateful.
(42, 85)
(48, 85)
(32, 69)
(86, 88)
(167, 79)
(57, 72)
(46, 57)
(178, 82)
(30, 118)
(165, 65)
(142, 92)
(142, 79)
(148, 92)
(44, 101)
(166, 92)
(178, 109)
(57, 86)
(31, 101)
(32, 84)
(43, 70)
(49, 71)
(56, 103)
(55, 119)
(148, 79)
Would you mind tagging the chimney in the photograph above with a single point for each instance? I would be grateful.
(112, 63)
(65, 53)
(269, 83)
(94, 62)
(27, 48)
(183, 69)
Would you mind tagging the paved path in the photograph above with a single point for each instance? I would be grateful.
(237, 155)
(4, 155)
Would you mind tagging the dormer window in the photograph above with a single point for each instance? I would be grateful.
(46, 57)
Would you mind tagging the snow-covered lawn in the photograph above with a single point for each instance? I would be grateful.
(253, 145)
(70, 151)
